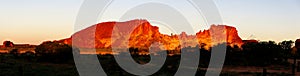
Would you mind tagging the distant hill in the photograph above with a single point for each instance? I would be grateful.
(108, 34)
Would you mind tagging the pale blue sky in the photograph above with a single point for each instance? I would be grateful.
(34, 21)
(265, 19)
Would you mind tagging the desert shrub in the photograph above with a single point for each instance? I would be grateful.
(28, 55)
(54, 52)
(14, 52)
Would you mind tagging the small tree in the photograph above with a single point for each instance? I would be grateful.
(287, 48)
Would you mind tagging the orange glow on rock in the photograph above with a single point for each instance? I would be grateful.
(144, 34)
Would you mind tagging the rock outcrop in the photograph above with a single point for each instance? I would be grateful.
(141, 34)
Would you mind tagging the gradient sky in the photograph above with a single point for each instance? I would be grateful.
(34, 21)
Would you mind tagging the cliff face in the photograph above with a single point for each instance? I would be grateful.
(220, 32)
(141, 34)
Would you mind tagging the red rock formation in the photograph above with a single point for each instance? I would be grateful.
(222, 33)
(8, 44)
(141, 34)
